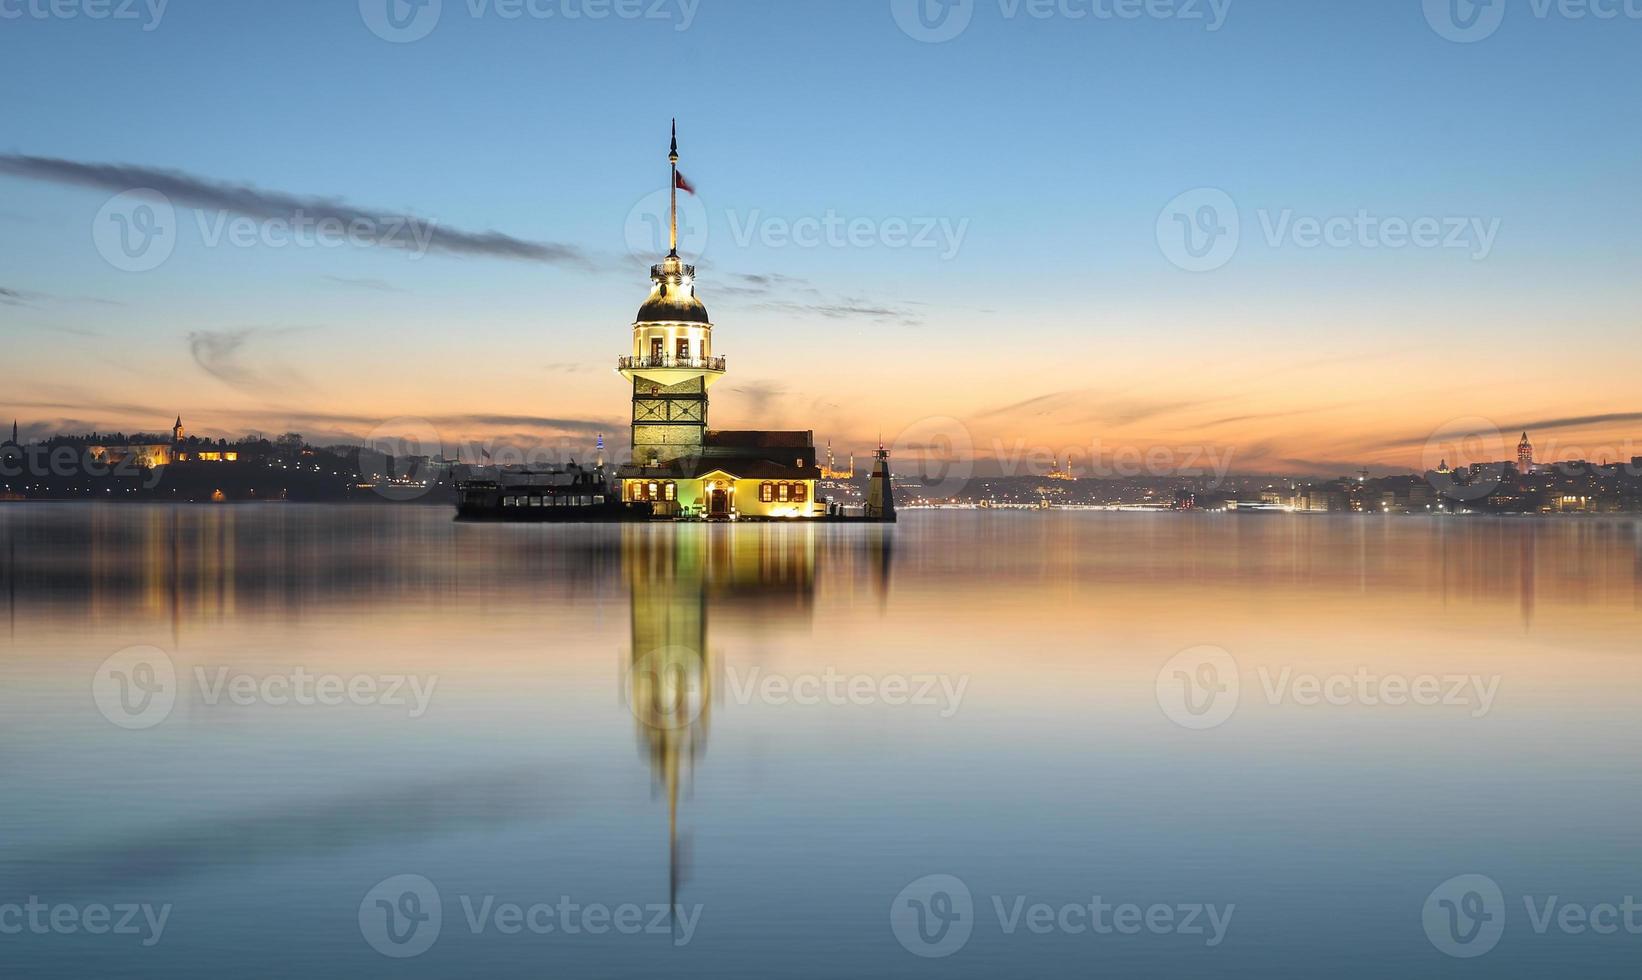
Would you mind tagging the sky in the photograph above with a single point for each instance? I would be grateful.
(1289, 237)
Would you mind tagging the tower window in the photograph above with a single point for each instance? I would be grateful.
(684, 348)
(657, 348)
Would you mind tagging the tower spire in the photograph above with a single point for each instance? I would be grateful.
(672, 228)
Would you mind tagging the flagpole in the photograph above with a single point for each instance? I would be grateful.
(672, 158)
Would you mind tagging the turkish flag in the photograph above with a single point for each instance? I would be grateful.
(682, 184)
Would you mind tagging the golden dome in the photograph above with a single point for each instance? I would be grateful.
(673, 297)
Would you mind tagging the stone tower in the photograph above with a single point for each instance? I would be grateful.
(672, 364)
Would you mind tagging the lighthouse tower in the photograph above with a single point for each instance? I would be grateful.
(880, 493)
(672, 364)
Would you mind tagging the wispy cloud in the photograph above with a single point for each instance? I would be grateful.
(790, 294)
(213, 195)
(1041, 404)
(1577, 421)
(761, 397)
(222, 354)
(375, 285)
(1509, 430)
(72, 410)
(71, 330)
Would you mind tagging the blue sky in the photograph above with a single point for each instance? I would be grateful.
(1054, 142)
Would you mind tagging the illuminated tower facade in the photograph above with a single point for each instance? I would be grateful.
(1525, 455)
(672, 363)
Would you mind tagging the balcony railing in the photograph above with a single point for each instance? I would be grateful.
(658, 271)
(715, 364)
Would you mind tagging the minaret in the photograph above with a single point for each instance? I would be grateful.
(14, 441)
(880, 494)
(672, 364)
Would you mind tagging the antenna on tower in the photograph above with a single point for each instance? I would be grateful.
(672, 158)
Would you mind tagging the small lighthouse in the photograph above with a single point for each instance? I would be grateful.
(880, 494)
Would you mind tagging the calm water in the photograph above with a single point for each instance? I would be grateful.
(739, 751)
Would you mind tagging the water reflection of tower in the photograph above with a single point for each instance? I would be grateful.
(763, 575)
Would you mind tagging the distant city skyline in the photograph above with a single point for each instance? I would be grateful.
(873, 260)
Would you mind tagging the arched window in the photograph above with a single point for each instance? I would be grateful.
(766, 492)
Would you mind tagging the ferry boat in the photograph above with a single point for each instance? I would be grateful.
(569, 495)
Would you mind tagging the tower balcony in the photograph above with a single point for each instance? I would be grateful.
(666, 370)
(664, 363)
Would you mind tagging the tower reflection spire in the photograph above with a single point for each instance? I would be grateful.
(674, 575)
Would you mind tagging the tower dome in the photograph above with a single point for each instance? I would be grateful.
(673, 295)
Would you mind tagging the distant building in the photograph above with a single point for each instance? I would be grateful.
(152, 455)
(832, 471)
(1525, 456)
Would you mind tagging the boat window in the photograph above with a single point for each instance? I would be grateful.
(598, 501)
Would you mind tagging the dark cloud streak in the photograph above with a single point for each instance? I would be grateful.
(206, 194)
